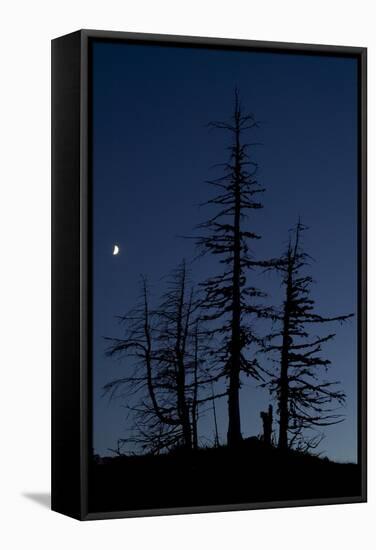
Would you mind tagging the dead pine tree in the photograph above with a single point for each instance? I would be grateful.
(305, 398)
(164, 355)
(175, 326)
(156, 425)
(196, 364)
(182, 353)
(229, 300)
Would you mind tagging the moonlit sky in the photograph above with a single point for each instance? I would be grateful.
(153, 151)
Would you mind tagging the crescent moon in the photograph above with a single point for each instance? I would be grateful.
(116, 250)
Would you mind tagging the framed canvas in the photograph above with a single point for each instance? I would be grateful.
(208, 274)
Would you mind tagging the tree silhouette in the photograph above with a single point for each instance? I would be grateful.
(155, 421)
(228, 299)
(176, 323)
(304, 398)
(168, 376)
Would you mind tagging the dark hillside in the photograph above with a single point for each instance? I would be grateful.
(254, 473)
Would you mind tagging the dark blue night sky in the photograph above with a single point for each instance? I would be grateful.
(153, 152)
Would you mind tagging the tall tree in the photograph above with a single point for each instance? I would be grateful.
(167, 377)
(305, 400)
(156, 425)
(173, 357)
(229, 300)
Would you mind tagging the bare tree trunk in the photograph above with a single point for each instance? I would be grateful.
(283, 406)
(216, 436)
(195, 391)
(234, 435)
(284, 382)
(182, 406)
(148, 362)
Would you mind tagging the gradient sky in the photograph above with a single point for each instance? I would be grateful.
(153, 151)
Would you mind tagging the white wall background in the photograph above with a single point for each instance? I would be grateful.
(27, 27)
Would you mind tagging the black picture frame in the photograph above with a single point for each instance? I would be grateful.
(71, 265)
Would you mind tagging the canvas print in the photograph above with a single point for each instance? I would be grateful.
(224, 276)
